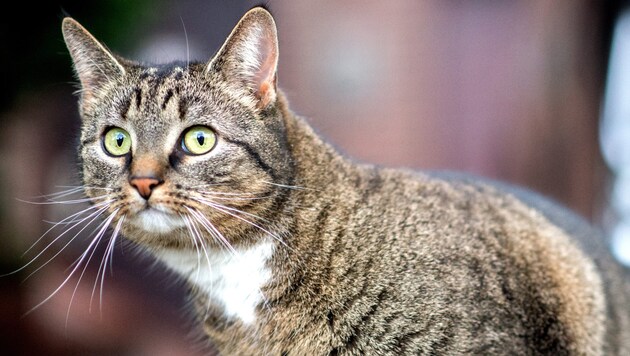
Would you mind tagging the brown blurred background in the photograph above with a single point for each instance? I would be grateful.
(506, 89)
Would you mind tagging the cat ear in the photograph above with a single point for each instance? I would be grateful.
(249, 57)
(93, 63)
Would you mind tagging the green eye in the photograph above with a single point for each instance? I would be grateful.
(198, 140)
(117, 142)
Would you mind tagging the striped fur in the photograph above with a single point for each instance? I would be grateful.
(357, 259)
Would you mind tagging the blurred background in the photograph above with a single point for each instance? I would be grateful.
(512, 90)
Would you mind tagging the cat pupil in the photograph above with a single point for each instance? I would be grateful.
(120, 138)
(200, 138)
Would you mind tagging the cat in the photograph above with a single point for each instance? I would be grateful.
(290, 248)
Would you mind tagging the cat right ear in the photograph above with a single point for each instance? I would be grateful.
(249, 57)
(93, 63)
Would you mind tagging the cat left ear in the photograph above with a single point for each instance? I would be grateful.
(249, 57)
(93, 63)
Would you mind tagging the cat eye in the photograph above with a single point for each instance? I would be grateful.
(198, 140)
(117, 142)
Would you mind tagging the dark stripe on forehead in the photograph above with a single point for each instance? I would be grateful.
(125, 107)
(167, 97)
(138, 93)
(256, 156)
(182, 107)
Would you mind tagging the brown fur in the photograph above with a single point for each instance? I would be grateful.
(372, 261)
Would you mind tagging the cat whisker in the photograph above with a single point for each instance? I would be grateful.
(229, 193)
(75, 189)
(107, 255)
(70, 191)
(92, 215)
(211, 229)
(115, 235)
(85, 187)
(203, 220)
(214, 204)
(53, 198)
(195, 243)
(67, 221)
(78, 264)
(93, 246)
(91, 233)
(205, 252)
(214, 232)
(206, 185)
(79, 91)
(228, 210)
(236, 198)
(52, 202)
(296, 187)
(197, 235)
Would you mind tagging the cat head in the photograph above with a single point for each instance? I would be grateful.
(183, 149)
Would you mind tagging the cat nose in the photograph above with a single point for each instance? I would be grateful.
(145, 185)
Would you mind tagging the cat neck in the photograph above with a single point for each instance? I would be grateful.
(231, 280)
(317, 164)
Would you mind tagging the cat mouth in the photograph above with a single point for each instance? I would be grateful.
(156, 220)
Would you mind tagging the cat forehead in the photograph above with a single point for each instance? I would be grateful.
(156, 99)
(168, 90)
(166, 76)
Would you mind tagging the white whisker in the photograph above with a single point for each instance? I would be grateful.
(93, 246)
(286, 186)
(93, 215)
(114, 237)
(54, 198)
(67, 221)
(236, 198)
(205, 252)
(230, 194)
(215, 204)
(199, 242)
(81, 258)
(96, 215)
(205, 185)
(52, 202)
(227, 210)
(211, 229)
(84, 187)
(108, 254)
(195, 243)
(73, 190)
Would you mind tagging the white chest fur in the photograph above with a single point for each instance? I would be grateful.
(233, 280)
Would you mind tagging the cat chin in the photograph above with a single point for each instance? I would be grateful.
(156, 221)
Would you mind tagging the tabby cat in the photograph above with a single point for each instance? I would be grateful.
(290, 248)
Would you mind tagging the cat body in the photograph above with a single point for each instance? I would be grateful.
(290, 248)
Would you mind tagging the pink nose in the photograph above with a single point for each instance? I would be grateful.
(144, 185)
